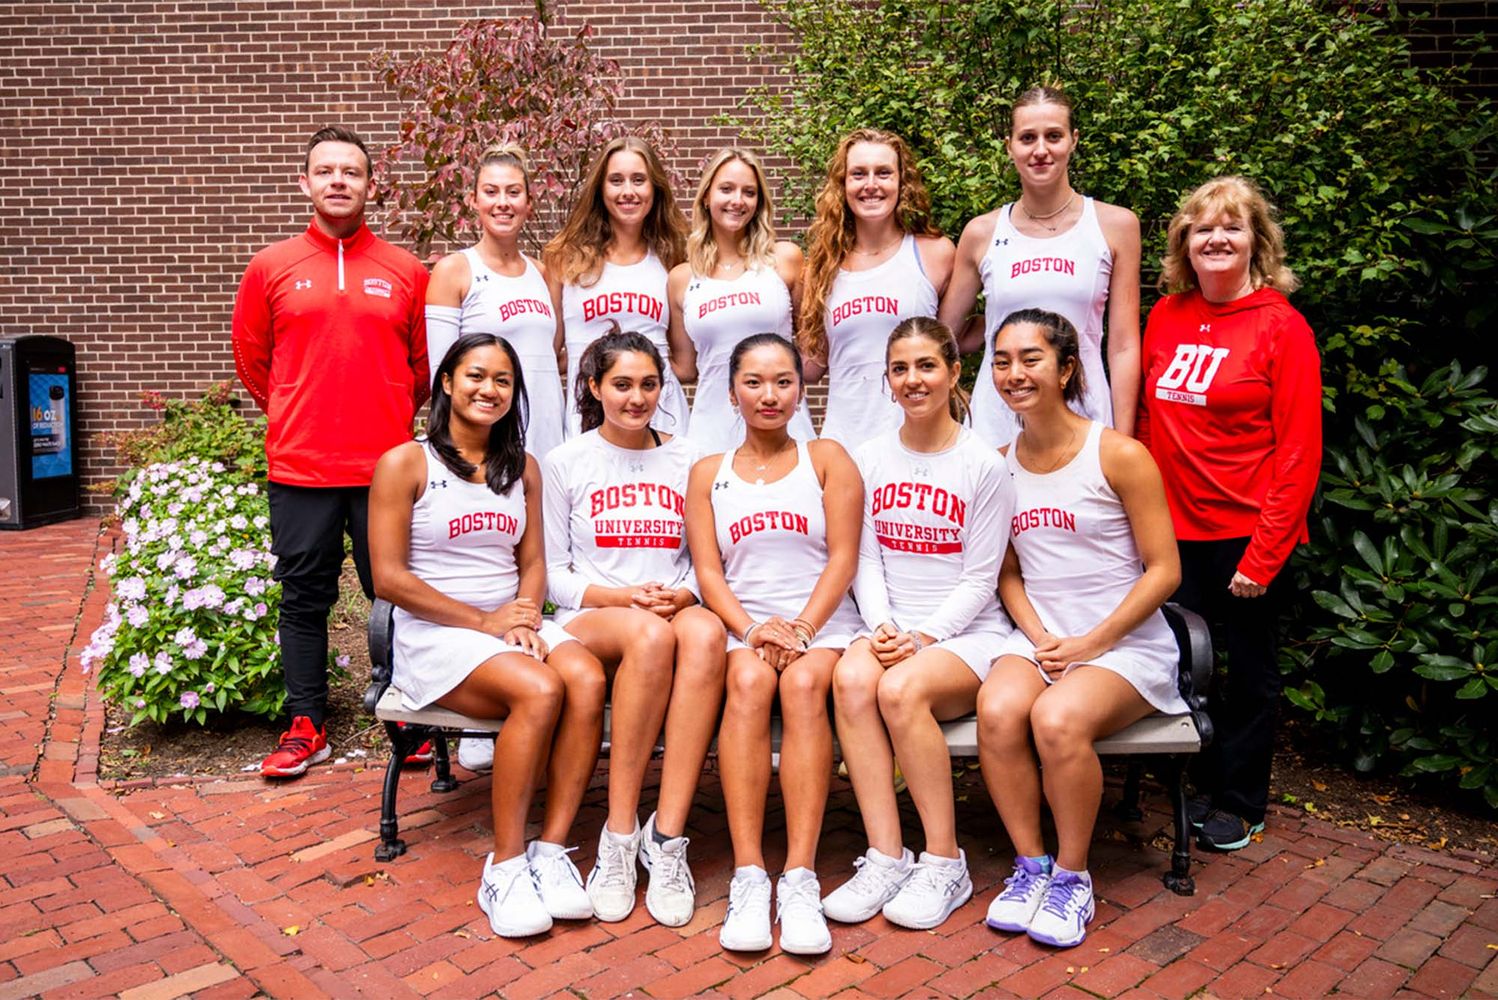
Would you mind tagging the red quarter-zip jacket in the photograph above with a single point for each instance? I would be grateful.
(330, 340)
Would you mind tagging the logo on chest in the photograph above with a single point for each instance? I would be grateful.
(615, 303)
(770, 520)
(485, 521)
(378, 286)
(1043, 517)
(711, 306)
(1190, 374)
(1043, 265)
(884, 305)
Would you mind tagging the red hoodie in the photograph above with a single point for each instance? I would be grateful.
(330, 340)
(1231, 410)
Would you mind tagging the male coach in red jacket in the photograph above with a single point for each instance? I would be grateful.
(330, 340)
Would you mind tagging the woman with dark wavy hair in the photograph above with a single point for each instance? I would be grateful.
(456, 546)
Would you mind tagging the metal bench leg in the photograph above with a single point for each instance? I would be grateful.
(391, 846)
(444, 781)
(1179, 880)
(1128, 806)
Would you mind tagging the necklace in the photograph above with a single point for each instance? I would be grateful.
(769, 459)
(1062, 457)
(875, 253)
(728, 264)
(1049, 215)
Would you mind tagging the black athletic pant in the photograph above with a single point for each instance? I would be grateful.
(307, 525)
(1244, 705)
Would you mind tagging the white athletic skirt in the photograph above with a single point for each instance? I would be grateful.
(1147, 658)
(432, 659)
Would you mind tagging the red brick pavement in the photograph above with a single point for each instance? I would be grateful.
(227, 887)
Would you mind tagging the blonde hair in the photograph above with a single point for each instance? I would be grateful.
(759, 232)
(577, 251)
(831, 234)
(1232, 197)
(504, 154)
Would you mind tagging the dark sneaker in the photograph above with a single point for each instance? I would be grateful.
(301, 746)
(1222, 831)
(1197, 808)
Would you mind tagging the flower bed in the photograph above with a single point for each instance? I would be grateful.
(191, 628)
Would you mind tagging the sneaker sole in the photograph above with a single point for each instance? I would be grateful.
(1010, 928)
(578, 914)
(509, 932)
(756, 945)
(1055, 943)
(809, 949)
(300, 769)
(926, 925)
(1235, 845)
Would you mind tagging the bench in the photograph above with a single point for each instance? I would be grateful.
(1168, 739)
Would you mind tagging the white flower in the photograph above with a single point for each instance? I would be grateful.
(238, 522)
(132, 589)
(138, 616)
(254, 586)
(341, 661)
(138, 664)
(107, 564)
(186, 567)
(194, 650)
(165, 560)
(197, 538)
(163, 663)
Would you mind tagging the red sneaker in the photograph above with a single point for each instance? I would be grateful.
(301, 746)
(421, 756)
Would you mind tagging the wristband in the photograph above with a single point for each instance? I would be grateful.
(915, 637)
(750, 631)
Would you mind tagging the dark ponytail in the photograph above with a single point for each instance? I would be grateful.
(504, 454)
(596, 362)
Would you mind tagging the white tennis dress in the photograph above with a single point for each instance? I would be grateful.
(519, 310)
(1077, 553)
(615, 517)
(634, 295)
(862, 308)
(463, 539)
(773, 540)
(935, 526)
(1067, 274)
(717, 314)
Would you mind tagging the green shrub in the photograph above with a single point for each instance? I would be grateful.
(1401, 652)
(210, 428)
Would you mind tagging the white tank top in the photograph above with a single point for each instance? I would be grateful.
(717, 314)
(772, 537)
(862, 308)
(463, 537)
(519, 310)
(1067, 274)
(634, 295)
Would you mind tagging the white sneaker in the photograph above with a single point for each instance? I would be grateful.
(798, 910)
(876, 879)
(746, 925)
(936, 887)
(670, 895)
(1014, 908)
(611, 883)
(560, 885)
(509, 897)
(1062, 918)
(476, 753)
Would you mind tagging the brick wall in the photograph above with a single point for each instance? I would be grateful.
(149, 149)
(1444, 33)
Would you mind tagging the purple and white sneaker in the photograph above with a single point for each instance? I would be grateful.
(1023, 893)
(1062, 918)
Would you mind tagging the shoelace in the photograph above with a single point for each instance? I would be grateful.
(1062, 897)
(614, 861)
(802, 897)
(1019, 885)
(742, 892)
(298, 744)
(927, 878)
(498, 890)
(555, 869)
(868, 879)
(669, 869)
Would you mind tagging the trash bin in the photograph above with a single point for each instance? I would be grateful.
(39, 479)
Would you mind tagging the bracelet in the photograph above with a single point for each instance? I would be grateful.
(802, 634)
(810, 631)
(915, 637)
(750, 631)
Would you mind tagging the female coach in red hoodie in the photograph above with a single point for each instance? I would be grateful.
(1231, 411)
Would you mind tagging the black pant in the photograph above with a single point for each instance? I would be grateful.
(307, 525)
(1243, 707)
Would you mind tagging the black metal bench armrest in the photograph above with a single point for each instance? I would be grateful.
(1195, 680)
(381, 638)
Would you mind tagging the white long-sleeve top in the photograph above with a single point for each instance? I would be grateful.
(614, 517)
(935, 525)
